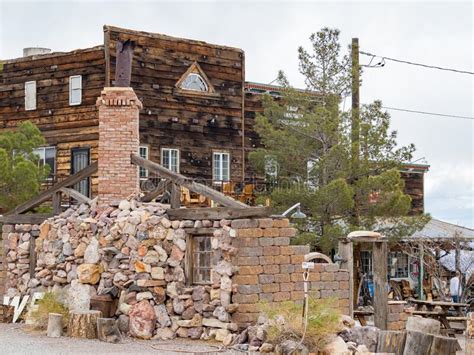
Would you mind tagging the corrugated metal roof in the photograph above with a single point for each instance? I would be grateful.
(436, 229)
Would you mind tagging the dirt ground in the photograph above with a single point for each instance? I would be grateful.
(15, 339)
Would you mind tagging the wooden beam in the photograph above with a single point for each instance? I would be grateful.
(24, 218)
(163, 185)
(46, 195)
(57, 202)
(200, 231)
(346, 252)
(216, 213)
(380, 285)
(76, 195)
(182, 180)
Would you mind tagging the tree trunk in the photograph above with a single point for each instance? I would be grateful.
(444, 346)
(418, 343)
(55, 325)
(107, 330)
(83, 324)
(390, 341)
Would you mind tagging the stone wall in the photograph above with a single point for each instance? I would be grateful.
(136, 254)
(270, 269)
(397, 315)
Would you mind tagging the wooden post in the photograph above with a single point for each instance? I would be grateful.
(355, 121)
(175, 196)
(380, 284)
(391, 341)
(57, 202)
(345, 250)
(421, 272)
(55, 325)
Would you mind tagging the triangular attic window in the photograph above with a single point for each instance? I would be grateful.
(195, 80)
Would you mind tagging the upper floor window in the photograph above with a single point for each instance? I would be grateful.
(170, 159)
(47, 156)
(75, 90)
(194, 82)
(221, 164)
(30, 95)
(143, 152)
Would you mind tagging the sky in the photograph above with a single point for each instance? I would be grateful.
(434, 33)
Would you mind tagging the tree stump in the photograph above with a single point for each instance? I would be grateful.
(107, 330)
(390, 341)
(55, 325)
(83, 324)
(418, 343)
(444, 346)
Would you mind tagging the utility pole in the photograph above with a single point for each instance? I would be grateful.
(355, 123)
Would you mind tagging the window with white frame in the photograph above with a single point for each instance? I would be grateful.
(30, 95)
(170, 159)
(47, 156)
(143, 152)
(194, 82)
(221, 164)
(75, 90)
(398, 264)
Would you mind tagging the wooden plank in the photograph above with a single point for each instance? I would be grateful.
(380, 285)
(199, 231)
(217, 213)
(44, 196)
(346, 252)
(76, 195)
(37, 218)
(181, 180)
(390, 341)
(159, 190)
(57, 202)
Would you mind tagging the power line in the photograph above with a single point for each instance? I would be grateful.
(427, 113)
(413, 63)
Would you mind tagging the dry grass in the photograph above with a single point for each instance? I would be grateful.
(286, 322)
(50, 303)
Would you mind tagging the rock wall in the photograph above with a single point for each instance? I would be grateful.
(136, 254)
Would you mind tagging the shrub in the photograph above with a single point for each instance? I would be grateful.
(286, 322)
(50, 303)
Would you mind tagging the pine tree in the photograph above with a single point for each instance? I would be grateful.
(306, 137)
(20, 173)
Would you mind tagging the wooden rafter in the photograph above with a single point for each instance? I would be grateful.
(182, 180)
(76, 195)
(33, 218)
(46, 195)
(159, 190)
(217, 213)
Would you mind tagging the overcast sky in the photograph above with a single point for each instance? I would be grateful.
(435, 33)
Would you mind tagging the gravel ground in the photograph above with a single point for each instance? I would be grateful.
(15, 339)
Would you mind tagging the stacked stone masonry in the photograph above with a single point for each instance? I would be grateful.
(135, 253)
(397, 315)
(270, 269)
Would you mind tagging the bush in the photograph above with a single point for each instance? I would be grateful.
(286, 322)
(50, 303)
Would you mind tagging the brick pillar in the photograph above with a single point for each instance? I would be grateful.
(118, 138)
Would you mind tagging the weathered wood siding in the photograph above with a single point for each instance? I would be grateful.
(253, 107)
(195, 125)
(62, 125)
(414, 186)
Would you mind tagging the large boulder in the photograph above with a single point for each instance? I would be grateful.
(365, 335)
(142, 320)
(78, 297)
(336, 346)
(91, 254)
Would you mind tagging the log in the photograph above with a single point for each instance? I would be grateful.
(83, 324)
(418, 343)
(444, 346)
(107, 330)
(390, 341)
(55, 325)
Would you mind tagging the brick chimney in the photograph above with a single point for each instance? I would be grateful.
(118, 138)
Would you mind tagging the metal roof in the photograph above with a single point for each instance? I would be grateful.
(438, 230)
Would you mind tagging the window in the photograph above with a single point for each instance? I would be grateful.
(221, 163)
(80, 159)
(75, 90)
(203, 259)
(143, 152)
(30, 95)
(366, 261)
(397, 264)
(194, 82)
(170, 159)
(47, 156)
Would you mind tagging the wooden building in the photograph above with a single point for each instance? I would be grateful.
(198, 111)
